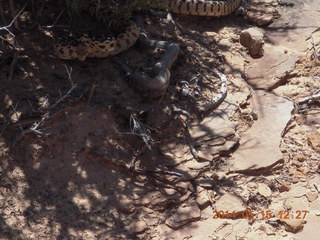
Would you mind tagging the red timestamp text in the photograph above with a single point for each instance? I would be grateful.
(267, 214)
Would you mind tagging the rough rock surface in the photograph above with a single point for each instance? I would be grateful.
(259, 146)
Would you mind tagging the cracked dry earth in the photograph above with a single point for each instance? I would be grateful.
(256, 157)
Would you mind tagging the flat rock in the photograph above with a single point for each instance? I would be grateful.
(230, 202)
(212, 136)
(185, 214)
(270, 70)
(202, 199)
(264, 137)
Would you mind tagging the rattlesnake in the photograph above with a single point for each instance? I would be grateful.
(85, 46)
(90, 47)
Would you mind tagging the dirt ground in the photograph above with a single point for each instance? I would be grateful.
(72, 166)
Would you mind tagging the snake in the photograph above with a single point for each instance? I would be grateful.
(86, 46)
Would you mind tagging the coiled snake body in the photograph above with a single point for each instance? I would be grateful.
(89, 47)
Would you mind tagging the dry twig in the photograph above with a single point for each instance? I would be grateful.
(6, 28)
(12, 10)
(315, 52)
(12, 65)
(32, 129)
(73, 86)
(310, 98)
(54, 23)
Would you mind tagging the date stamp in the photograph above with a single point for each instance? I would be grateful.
(248, 214)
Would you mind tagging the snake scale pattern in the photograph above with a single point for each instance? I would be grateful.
(104, 46)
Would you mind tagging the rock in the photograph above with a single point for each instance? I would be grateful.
(293, 225)
(230, 202)
(294, 180)
(184, 215)
(213, 136)
(252, 39)
(301, 158)
(284, 187)
(202, 199)
(261, 19)
(259, 145)
(312, 196)
(195, 165)
(125, 204)
(219, 176)
(269, 231)
(138, 226)
(264, 190)
(314, 141)
(313, 119)
(252, 186)
(176, 152)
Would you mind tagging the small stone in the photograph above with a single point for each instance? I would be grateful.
(312, 196)
(264, 19)
(294, 180)
(138, 226)
(125, 204)
(202, 199)
(301, 158)
(264, 190)
(284, 187)
(252, 186)
(314, 141)
(270, 231)
(252, 39)
(293, 225)
(219, 176)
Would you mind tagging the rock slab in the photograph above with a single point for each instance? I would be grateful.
(259, 146)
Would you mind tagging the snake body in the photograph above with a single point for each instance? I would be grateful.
(200, 7)
(104, 46)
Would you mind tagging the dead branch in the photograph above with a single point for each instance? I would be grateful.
(73, 86)
(94, 85)
(219, 98)
(308, 99)
(12, 10)
(315, 53)
(14, 109)
(180, 111)
(55, 22)
(97, 157)
(33, 129)
(12, 66)
(6, 28)
(143, 130)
